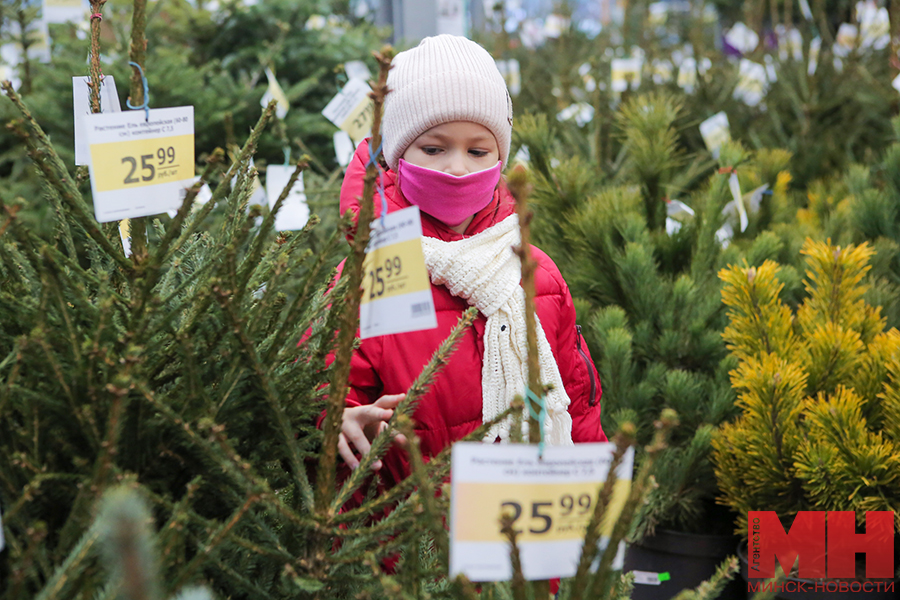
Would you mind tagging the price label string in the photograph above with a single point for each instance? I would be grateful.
(373, 160)
(146, 104)
(531, 399)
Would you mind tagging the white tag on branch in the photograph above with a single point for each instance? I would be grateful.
(294, 212)
(81, 105)
(139, 165)
(672, 226)
(357, 69)
(715, 132)
(626, 73)
(658, 13)
(396, 295)
(582, 112)
(742, 38)
(352, 110)
(65, 11)
(805, 10)
(896, 83)
(550, 499)
(845, 40)
(735, 186)
(815, 45)
(344, 148)
(125, 235)
(274, 92)
(2, 541)
(203, 196)
(687, 75)
(752, 83)
(649, 578)
(511, 74)
(677, 208)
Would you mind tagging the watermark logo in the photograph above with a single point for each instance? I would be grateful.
(824, 545)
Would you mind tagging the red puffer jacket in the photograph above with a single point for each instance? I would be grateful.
(452, 407)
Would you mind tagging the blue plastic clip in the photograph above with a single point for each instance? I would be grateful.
(373, 160)
(146, 104)
(531, 399)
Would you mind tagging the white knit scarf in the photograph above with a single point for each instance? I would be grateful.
(484, 270)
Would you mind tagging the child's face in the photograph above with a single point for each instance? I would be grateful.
(456, 148)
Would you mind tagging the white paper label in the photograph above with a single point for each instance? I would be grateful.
(64, 11)
(274, 92)
(649, 578)
(735, 186)
(805, 10)
(357, 69)
(551, 498)
(742, 38)
(752, 83)
(294, 212)
(715, 132)
(81, 103)
(815, 45)
(396, 287)
(511, 74)
(2, 541)
(352, 109)
(139, 165)
(344, 148)
(626, 73)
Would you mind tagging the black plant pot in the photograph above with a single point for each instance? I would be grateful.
(805, 589)
(688, 558)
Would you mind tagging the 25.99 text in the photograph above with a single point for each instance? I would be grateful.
(391, 268)
(540, 521)
(149, 163)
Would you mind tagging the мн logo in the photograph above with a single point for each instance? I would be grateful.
(806, 542)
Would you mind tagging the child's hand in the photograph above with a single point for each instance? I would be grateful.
(360, 426)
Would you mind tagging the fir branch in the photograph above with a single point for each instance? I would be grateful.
(712, 587)
(600, 583)
(45, 157)
(624, 439)
(405, 408)
(74, 564)
(518, 579)
(96, 75)
(521, 189)
(350, 315)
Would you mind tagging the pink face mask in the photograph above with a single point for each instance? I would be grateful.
(447, 198)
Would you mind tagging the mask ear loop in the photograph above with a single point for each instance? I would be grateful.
(373, 160)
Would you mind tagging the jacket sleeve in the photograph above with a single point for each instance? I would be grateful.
(579, 375)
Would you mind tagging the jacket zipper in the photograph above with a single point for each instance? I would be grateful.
(587, 364)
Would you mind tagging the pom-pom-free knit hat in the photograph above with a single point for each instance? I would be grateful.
(445, 78)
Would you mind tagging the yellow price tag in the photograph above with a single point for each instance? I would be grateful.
(394, 270)
(352, 110)
(137, 163)
(541, 512)
(140, 163)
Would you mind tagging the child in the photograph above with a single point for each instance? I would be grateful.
(447, 127)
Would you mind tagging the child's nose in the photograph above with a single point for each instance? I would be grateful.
(457, 166)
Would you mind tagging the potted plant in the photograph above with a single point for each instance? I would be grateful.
(818, 389)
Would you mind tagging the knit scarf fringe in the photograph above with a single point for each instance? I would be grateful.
(486, 272)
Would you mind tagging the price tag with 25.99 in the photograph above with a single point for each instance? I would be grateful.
(396, 287)
(550, 499)
(139, 164)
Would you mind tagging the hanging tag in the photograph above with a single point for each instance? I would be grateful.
(752, 83)
(125, 235)
(511, 75)
(715, 132)
(65, 11)
(357, 69)
(805, 10)
(396, 288)
(352, 110)
(203, 196)
(139, 166)
(626, 73)
(551, 500)
(344, 148)
(815, 45)
(735, 187)
(742, 38)
(274, 92)
(294, 212)
(582, 112)
(2, 541)
(687, 75)
(81, 103)
(648, 578)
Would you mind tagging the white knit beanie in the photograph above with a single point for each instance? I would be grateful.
(445, 78)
